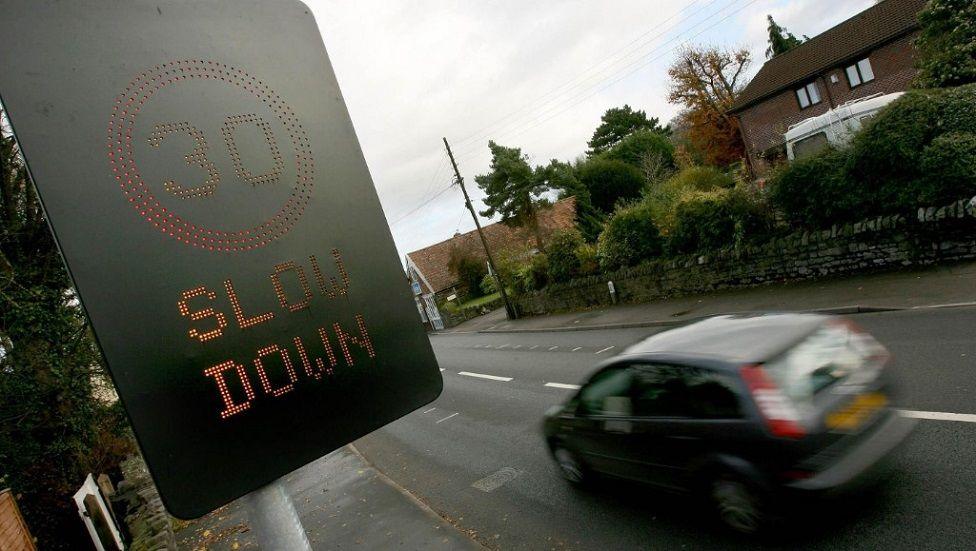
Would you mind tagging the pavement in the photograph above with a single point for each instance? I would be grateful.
(343, 503)
(944, 285)
(476, 454)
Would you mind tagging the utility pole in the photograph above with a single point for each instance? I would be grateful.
(509, 308)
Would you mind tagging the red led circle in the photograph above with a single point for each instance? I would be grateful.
(122, 161)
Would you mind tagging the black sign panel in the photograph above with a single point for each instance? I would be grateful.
(202, 177)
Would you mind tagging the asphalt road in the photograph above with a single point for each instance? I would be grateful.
(476, 454)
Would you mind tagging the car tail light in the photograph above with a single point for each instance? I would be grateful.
(779, 413)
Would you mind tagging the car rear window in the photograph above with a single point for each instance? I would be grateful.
(832, 353)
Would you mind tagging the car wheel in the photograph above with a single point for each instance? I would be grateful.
(738, 504)
(570, 466)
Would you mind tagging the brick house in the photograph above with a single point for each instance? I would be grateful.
(867, 54)
(428, 266)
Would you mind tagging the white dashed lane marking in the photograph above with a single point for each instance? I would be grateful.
(483, 376)
(563, 385)
(429, 410)
(604, 350)
(940, 416)
(445, 419)
(577, 348)
(551, 348)
(534, 346)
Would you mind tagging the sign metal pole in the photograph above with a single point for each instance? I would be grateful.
(274, 519)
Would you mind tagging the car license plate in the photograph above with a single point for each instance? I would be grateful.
(855, 413)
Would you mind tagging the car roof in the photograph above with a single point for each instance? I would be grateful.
(739, 338)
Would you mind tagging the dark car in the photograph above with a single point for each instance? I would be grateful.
(748, 411)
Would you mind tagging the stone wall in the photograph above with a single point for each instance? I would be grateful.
(930, 236)
(137, 502)
(457, 317)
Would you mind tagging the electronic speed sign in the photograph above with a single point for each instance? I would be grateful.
(204, 183)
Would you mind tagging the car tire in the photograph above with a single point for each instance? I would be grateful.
(739, 504)
(571, 467)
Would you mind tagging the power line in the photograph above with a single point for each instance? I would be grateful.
(584, 77)
(420, 206)
(516, 131)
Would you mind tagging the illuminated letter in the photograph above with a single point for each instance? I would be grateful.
(235, 305)
(182, 304)
(362, 341)
(280, 291)
(217, 373)
(320, 279)
(320, 366)
(263, 375)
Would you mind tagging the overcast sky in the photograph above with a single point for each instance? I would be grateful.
(535, 75)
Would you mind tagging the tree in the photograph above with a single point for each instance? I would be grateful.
(946, 45)
(563, 177)
(53, 430)
(641, 145)
(610, 181)
(618, 123)
(512, 189)
(706, 81)
(780, 40)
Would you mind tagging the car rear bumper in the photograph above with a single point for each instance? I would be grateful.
(862, 464)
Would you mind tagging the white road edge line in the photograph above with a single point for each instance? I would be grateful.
(483, 376)
(445, 419)
(429, 410)
(604, 350)
(563, 385)
(940, 416)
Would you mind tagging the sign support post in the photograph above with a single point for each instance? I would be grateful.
(274, 519)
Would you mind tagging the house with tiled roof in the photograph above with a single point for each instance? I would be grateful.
(870, 53)
(428, 266)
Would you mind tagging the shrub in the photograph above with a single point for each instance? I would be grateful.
(708, 220)
(949, 165)
(561, 252)
(533, 275)
(468, 269)
(610, 181)
(946, 45)
(663, 199)
(629, 237)
(886, 153)
(634, 148)
(488, 285)
(589, 261)
(816, 192)
(957, 109)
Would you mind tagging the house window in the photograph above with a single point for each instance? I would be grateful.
(808, 95)
(859, 73)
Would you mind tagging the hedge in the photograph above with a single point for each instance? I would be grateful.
(715, 219)
(630, 237)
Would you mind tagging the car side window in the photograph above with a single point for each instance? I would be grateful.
(711, 395)
(608, 393)
(662, 390)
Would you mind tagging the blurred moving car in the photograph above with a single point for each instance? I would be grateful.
(748, 411)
